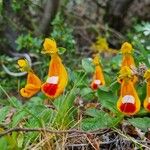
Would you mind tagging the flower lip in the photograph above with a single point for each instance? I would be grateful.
(128, 99)
(128, 108)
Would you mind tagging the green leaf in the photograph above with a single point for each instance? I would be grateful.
(35, 101)
(19, 116)
(3, 112)
(20, 140)
(61, 50)
(87, 94)
(65, 112)
(93, 112)
(3, 143)
(100, 120)
(142, 123)
(87, 65)
(15, 102)
(108, 100)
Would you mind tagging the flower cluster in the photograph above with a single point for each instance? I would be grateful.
(57, 75)
(128, 102)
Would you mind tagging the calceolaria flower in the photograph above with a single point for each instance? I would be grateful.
(98, 78)
(57, 74)
(147, 99)
(33, 84)
(128, 103)
(128, 60)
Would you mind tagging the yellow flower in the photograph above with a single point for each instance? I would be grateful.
(147, 99)
(33, 82)
(101, 45)
(57, 77)
(98, 78)
(128, 102)
(147, 74)
(24, 65)
(128, 59)
(49, 46)
(126, 48)
(125, 72)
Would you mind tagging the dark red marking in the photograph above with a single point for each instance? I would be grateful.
(50, 89)
(95, 86)
(128, 108)
(148, 106)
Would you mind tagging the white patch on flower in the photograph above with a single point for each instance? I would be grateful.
(128, 99)
(98, 82)
(148, 99)
(52, 80)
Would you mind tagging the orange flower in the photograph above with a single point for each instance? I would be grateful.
(33, 82)
(128, 59)
(147, 99)
(98, 78)
(128, 103)
(57, 75)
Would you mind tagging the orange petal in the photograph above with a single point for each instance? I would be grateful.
(128, 60)
(98, 78)
(53, 88)
(32, 87)
(147, 99)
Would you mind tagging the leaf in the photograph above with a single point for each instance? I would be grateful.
(3, 112)
(20, 140)
(108, 100)
(65, 112)
(87, 65)
(87, 93)
(15, 102)
(19, 116)
(61, 50)
(142, 123)
(100, 120)
(93, 112)
(35, 101)
(3, 143)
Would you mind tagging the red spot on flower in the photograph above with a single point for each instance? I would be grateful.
(148, 106)
(95, 86)
(128, 108)
(50, 89)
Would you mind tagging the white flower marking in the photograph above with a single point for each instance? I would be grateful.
(98, 82)
(128, 99)
(52, 80)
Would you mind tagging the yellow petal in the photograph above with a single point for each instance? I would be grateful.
(125, 72)
(147, 74)
(147, 99)
(50, 46)
(96, 60)
(24, 65)
(126, 48)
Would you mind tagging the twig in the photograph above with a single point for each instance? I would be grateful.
(45, 130)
